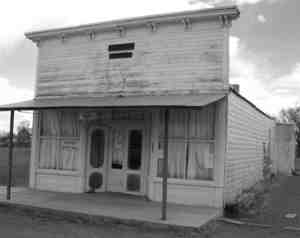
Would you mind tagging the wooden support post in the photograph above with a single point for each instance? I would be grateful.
(10, 155)
(165, 168)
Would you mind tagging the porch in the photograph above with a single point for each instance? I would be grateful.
(111, 207)
(168, 151)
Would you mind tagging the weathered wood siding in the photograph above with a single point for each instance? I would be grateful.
(248, 132)
(171, 59)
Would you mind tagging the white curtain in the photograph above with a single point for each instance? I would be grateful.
(176, 160)
(191, 143)
(201, 161)
(48, 153)
(56, 151)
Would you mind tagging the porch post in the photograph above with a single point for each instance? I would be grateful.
(165, 168)
(10, 155)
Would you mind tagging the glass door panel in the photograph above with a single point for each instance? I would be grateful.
(134, 160)
(95, 173)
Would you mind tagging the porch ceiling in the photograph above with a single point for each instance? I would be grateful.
(115, 101)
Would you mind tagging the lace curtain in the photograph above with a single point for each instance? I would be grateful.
(191, 143)
(59, 143)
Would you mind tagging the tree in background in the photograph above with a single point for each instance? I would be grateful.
(4, 139)
(23, 136)
(292, 115)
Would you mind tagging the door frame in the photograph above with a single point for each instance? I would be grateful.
(129, 125)
(142, 171)
(107, 128)
(106, 153)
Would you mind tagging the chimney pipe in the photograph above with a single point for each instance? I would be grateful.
(235, 87)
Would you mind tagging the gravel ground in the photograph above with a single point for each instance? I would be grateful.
(235, 231)
(15, 224)
(284, 198)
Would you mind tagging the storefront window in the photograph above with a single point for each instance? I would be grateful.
(190, 144)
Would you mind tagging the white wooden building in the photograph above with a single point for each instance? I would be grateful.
(106, 94)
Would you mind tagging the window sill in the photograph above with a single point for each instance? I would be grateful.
(58, 172)
(60, 137)
(208, 183)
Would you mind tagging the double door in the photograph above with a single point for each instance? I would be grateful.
(116, 159)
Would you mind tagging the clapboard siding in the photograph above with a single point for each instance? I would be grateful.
(171, 59)
(247, 130)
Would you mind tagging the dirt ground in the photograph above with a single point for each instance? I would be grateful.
(16, 225)
(284, 198)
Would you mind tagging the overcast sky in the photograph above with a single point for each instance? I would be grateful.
(264, 43)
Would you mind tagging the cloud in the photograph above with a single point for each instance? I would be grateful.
(10, 94)
(269, 94)
(35, 15)
(229, 2)
(289, 83)
(261, 18)
(17, 17)
(203, 4)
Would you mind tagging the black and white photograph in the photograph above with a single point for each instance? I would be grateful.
(139, 119)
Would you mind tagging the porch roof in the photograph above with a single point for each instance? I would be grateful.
(115, 101)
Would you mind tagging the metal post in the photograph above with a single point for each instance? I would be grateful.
(10, 155)
(165, 168)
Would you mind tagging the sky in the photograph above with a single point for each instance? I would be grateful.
(264, 43)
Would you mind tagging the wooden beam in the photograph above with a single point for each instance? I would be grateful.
(10, 155)
(165, 168)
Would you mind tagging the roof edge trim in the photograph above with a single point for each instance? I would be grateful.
(231, 11)
(116, 102)
(250, 103)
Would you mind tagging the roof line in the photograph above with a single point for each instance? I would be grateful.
(116, 102)
(231, 11)
(250, 103)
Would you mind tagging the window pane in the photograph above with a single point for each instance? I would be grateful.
(117, 149)
(59, 123)
(177, 159)
(160, 167)
(97, 149)
(201, 161)
(69, 124)
(177, 148)
(50, 123)
(202, 122)
(135, 149)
